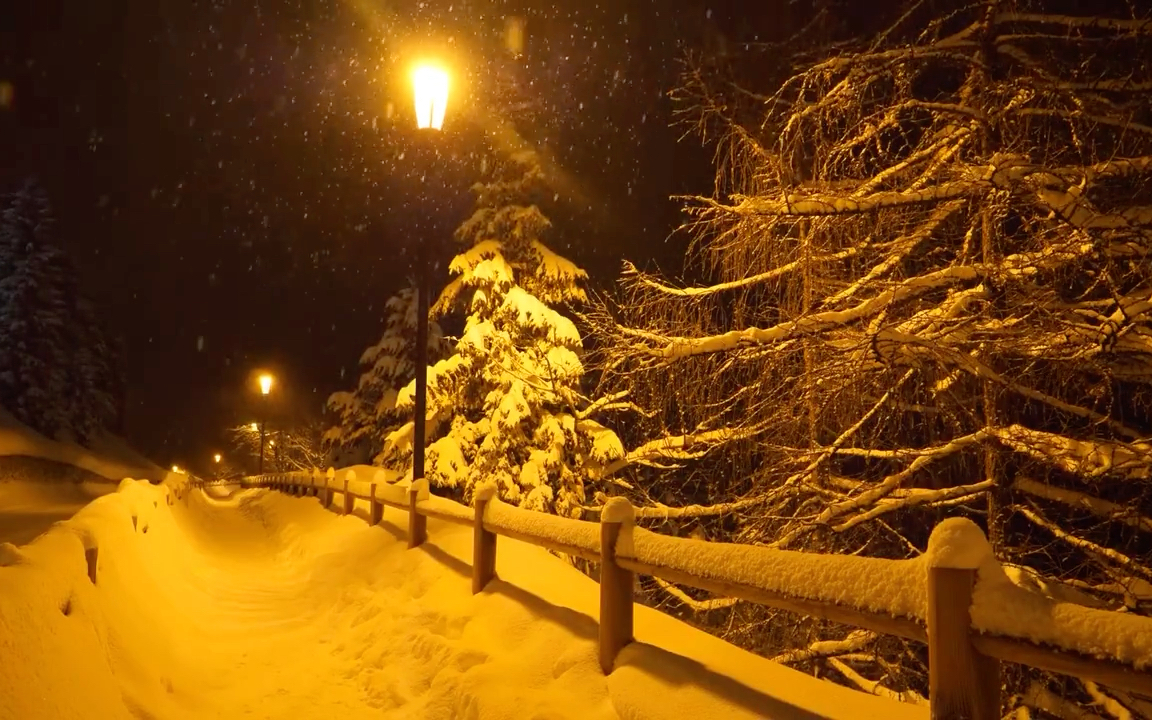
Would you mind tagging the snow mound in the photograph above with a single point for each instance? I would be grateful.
(958, 543)
(111, 458)
(261, 605)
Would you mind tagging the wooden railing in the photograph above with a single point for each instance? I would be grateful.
(931, 602)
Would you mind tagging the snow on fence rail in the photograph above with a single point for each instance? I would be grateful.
(956, 597)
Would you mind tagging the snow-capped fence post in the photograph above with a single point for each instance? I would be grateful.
(616, 606)
(417, 523)
(483, 541)
(329, 493)
(962, 683)
(349, 501)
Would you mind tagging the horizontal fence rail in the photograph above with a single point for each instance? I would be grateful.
(955, 597)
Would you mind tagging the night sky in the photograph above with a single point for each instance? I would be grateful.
(234, 178)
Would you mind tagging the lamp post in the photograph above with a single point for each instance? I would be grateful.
(265, 388)
(430, 92)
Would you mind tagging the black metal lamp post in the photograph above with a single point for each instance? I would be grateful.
(430, 86)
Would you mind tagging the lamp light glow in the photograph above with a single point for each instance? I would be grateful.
(430, 86)
(265, 384)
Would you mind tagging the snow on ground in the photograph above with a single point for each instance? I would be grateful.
(255, 604)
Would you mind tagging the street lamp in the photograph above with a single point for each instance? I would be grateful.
(217, 457)
(265, 388)
(430, 93)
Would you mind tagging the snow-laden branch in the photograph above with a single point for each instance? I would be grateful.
(678, 347)
(881, 489)
(874, 687)
(1091, 22)
(1087, 546)
(1103, 700)
(631, 270)
(1080, 457)
(914, 498)
(1041, 698)
(677, 447)
(821, 205)
(1097, 506)
(688, 600)
(855, 641)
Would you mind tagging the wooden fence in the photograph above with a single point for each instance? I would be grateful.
(964, 663)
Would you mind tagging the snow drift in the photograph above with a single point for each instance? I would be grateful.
(110, 457)
(255, 603)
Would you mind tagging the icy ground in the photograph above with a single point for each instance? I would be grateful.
(256, 605)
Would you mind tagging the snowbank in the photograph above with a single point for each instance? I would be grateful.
(111, 458)
(35, 493)
(259, 604)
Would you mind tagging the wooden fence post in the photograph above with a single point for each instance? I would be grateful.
(483, 541)
(962, 683)
(417, 523)
(616, 607)
(329, 492)
(349, 501)
(375, 507)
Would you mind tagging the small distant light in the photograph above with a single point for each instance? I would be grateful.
(217, 457)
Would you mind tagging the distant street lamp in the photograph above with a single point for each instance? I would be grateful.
(430, 92)
(217, 457)
(265, 389)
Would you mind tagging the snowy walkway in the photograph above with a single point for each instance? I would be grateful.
(258, 605)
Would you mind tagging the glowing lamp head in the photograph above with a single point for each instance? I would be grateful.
(265, 384)
(216, 457)
(430, 86)
(255, 427)
(175, 468)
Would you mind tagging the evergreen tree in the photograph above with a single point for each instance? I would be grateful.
(58, 372)
(368, 413)
(506, 406)
(32, 379)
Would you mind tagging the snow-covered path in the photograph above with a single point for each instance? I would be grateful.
(257, 605)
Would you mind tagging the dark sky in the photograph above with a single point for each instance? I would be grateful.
(238, 195)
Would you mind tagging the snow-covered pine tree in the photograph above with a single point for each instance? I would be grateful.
(95, 373)
(58, 372)
(506, 407)
(33, 359)
(926, 292)
(367, 414)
